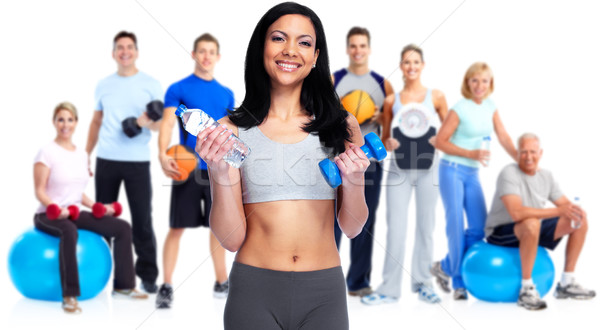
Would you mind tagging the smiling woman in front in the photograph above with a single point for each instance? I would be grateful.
(277, 211)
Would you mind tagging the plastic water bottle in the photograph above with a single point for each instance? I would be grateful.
(485, 145)
(195, 121)
(576, 222)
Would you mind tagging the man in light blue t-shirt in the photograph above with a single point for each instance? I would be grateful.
(191, 200)
(125, 158)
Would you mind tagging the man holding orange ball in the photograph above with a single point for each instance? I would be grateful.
(362, 93)
(190, 198)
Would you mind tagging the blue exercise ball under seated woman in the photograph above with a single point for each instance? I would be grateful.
(33, 263)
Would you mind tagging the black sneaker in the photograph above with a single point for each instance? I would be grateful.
(149, 287)
(164, 298)
(529, 298)
(221, 290)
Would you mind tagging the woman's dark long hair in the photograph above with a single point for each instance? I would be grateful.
(318, 96)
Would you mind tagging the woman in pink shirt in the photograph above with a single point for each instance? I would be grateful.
(60, 175)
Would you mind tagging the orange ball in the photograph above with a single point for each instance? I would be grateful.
(360, 104)
(186, 161)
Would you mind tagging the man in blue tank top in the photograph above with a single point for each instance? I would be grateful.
(191, 200)
(358, 78)
(126, 158)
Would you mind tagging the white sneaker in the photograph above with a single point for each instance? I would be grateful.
(529, 298)
(428, 295)
(377, 299)
(132, 294)
(573, 290)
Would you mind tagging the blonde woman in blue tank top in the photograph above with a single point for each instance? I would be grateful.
(469, 121)
(276, 211)
(403, 178)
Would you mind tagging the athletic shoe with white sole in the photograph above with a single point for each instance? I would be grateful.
(428, 295)
(574, 291)
(440, 276)
(529, 298)
(460, 294)
(164, 298)
(377, 299)
(221, 290)
(132, 294)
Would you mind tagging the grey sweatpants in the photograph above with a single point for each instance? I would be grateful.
(399, 187)
(268, 299)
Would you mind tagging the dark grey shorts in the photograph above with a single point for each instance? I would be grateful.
(269, 299)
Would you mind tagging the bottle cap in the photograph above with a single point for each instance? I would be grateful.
(180, 110)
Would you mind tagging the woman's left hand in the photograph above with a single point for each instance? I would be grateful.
(432, 140)
(352, 164)
(110, 210)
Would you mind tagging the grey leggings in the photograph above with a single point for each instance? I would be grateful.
(400, 185)
(267, 299)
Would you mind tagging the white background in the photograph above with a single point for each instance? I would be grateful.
(544, 55)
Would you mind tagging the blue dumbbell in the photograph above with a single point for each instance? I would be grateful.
(373, 147)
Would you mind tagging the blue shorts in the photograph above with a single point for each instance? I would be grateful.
(504, 235)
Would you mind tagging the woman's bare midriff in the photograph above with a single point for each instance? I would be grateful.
(294, 235)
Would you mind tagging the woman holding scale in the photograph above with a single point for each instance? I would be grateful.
(410, 122)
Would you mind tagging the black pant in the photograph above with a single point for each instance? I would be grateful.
(66, 230)
(361, 246)
(136, 175)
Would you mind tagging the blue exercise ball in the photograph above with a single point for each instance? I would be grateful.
(34, 268)
(493, 273)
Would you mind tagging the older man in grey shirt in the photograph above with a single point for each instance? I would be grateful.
(519, 218)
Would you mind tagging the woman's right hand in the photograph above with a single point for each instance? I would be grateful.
(391, 144)
(480, 155)
(212, 146)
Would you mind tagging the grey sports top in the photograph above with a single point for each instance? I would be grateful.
(275, 171)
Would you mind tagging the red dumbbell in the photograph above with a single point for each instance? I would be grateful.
(99, 210)
(53, 211)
